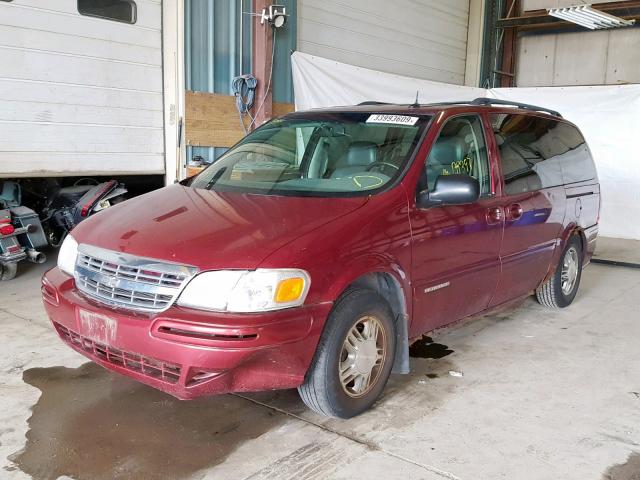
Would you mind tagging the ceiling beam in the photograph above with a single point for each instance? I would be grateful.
(540, 19)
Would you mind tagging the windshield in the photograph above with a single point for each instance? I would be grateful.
(323, 154)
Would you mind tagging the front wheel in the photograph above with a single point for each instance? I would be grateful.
(560, 290)
(354, 357)
(8, 271)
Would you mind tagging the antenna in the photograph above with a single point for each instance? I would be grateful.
(416, 103)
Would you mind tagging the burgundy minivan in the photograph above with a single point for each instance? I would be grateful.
(312, 253)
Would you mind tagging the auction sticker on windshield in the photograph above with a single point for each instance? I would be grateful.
(393, 119)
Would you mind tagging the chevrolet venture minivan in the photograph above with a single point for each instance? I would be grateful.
(312, 253)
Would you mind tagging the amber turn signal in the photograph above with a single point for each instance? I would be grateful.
(289, 290)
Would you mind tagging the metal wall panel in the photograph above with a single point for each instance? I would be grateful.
(603, 57)
(79, 95)
(623, 56)
(286, 42)
(212, 52)
(417, 38)
(213, 44)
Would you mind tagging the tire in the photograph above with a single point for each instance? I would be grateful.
(555, 292)
(8, 271)
(323, 391)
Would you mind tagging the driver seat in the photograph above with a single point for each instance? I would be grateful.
(444, 152)
(359, 156)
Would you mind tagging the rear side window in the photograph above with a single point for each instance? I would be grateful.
(118, 10)
(538, 153)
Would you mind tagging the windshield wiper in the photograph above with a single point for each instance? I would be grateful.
(215, 178)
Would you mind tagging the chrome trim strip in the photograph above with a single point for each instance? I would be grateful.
(437, 287)
(136, 261)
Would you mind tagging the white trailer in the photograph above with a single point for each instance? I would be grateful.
(82, 93)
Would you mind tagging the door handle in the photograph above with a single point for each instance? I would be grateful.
(514, 212)
(494, 215)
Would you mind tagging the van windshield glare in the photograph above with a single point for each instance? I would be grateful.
(330, 154)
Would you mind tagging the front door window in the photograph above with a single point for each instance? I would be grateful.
(460, 149)
(455, 254)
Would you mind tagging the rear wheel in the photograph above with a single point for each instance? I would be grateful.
(560, 290)
(354, 357)
(8, 270)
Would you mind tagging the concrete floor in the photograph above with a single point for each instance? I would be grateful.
(545, 395)
(618, 250)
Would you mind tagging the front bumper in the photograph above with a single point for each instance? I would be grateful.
(184, 352)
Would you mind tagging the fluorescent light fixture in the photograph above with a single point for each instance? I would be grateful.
(588, 17)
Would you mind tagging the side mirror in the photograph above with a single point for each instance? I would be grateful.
(453, 189)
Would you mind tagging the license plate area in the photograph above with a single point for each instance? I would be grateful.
(97, 327)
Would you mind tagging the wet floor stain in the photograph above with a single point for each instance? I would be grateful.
(425, 347)
(92, 424)
(630, 470)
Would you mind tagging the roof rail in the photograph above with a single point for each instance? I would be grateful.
(525, 106)
(479, 101)
(371, 102)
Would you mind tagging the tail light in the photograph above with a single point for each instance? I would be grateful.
(6, 229)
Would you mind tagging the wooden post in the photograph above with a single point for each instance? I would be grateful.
(262, 52)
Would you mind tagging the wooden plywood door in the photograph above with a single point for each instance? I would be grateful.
(211, 120)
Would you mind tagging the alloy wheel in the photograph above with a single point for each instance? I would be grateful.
(569, 273)
(363, 355)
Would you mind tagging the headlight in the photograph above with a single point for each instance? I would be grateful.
(67, 255)
(245, 291)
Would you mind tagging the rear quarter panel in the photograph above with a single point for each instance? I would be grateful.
(583, 211)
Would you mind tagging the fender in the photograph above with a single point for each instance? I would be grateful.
(570, 229)
(367, 271)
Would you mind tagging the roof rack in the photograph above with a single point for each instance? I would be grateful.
(525, 106)
(481, 101)
(495, 101)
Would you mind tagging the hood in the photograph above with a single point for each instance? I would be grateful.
(211, 230)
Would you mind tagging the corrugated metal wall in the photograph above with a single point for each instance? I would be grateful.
(212, 52)
(286, 42)
(603, 57)
(417, 38)
(212, 44)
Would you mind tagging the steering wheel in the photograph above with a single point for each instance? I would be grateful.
(381, 165)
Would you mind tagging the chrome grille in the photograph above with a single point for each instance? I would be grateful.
(128, 281)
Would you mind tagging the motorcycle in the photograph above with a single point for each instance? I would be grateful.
(63, 208)
(23, 232)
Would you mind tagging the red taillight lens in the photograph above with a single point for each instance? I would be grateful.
(7, 229)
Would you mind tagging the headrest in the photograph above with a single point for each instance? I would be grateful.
(361, 154)
(447, 150)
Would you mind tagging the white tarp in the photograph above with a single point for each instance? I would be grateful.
(320, 82)
(608, 116)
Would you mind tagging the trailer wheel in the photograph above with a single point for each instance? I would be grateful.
(8, 271)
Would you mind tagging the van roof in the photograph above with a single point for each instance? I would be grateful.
(430, 108)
